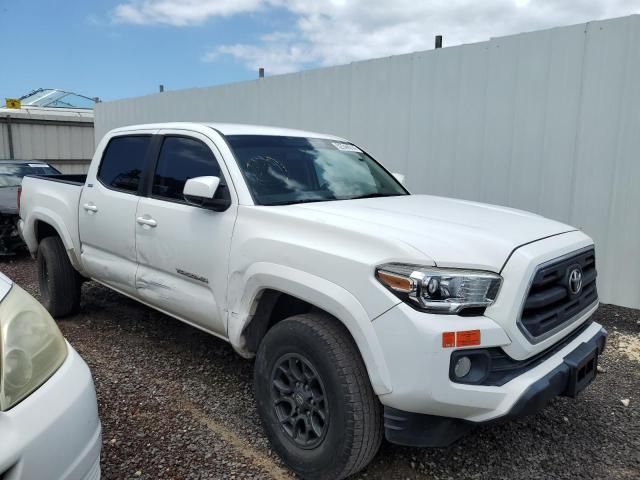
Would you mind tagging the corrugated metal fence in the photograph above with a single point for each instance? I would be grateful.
(546, 121)
(62, 137)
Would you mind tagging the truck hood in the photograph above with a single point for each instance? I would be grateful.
(452, 233)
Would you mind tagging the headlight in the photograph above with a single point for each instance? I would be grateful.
(440, 290)
(31, 347)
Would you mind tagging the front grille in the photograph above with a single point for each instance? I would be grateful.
(550, 302)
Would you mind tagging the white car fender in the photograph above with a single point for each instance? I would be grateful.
(38, 213)
(319, 292)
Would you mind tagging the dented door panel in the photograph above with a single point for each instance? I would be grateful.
(182, 261)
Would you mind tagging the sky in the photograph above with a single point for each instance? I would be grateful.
(124, 48)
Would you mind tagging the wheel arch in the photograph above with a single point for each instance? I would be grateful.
(42, 229)
(42, 225)
(251, 315)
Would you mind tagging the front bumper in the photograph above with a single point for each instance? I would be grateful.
(55, 432)
(419, 365)
(567, 379)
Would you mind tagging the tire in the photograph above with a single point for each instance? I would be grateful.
(59, 282)
(318, 349)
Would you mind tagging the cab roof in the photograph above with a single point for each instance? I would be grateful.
(231, 129)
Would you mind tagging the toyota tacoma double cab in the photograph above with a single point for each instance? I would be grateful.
(370, 312)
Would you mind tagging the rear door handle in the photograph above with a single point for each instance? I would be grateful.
(90, 207)
(149, 222)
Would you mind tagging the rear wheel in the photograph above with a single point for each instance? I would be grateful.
(59, 282)
(314, 396)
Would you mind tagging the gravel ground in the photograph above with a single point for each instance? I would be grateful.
(176, 403)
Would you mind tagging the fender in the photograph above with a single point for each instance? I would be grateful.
(52, 218)
(319, 292)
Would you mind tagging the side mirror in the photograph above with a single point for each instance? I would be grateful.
(399, 177)
(201, 187)
(200, 191)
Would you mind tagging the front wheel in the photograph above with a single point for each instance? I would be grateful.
(59, 282)
(315, 399)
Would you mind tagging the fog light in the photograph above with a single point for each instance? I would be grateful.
(462, 367)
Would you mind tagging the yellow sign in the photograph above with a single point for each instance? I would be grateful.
(12, 103)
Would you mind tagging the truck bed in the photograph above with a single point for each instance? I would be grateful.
(72, 179)
(53, 199)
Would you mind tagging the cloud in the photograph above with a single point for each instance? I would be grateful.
(330, 32)
(282, 52)
(180, 12)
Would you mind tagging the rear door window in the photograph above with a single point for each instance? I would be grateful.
(123, 162)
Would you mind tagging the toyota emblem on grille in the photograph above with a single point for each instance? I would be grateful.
(575, 281)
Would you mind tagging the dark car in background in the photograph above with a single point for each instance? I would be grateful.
(11, 174)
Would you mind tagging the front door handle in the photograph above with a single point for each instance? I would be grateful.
(149, 222)
(90, 207)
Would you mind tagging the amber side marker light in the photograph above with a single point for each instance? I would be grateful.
(468, 338)
(395, 282)
(464, 338)
(448, 339)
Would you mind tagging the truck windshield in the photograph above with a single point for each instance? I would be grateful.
(283, 170)
(11, 173)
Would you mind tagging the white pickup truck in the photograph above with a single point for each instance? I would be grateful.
(371, 312)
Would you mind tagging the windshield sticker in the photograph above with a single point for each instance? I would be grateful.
(346, 147)
(37, 165)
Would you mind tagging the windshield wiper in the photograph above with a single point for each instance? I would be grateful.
(375, 195)
(311, 200)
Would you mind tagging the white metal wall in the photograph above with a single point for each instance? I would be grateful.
(546, 121)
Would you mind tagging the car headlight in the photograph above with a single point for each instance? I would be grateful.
(440, 290)
(31, 347)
